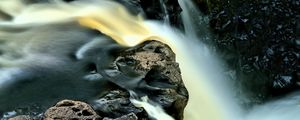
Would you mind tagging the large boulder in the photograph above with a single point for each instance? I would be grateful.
(161, 83)
(156, 62)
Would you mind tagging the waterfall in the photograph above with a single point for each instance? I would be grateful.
(199, 67)
(198, 36)
(210, 93)
(286, 108)
(165, 11)
(195, 23)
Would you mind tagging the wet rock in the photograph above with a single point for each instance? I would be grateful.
(161, 81)
(148, 69)
(130, 116)
(203, 6)
(167, 11)
(263, 37)
(71, 110)
(116, 104)
(22, 117)
(158, 61)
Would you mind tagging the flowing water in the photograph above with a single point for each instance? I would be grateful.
(210, 96)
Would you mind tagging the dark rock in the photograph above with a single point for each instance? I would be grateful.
(116, 104)
(161, 82)
(263, 37)
(163, 10)
(71, 110)
(168, 10)
(162, 71)
(130, 116)
(203, 6)
(158, 62)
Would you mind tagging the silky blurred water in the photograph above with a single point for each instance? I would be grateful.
(212, 94)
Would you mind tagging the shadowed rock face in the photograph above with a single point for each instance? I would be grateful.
(161, 82)
(162, 10)
(262, 36)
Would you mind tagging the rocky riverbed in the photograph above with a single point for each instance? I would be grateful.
(258, 40)
(153, 59)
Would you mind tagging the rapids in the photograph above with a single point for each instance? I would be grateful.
(210, 95)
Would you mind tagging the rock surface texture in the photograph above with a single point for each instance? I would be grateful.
(22, 117)
(71, 110)
(161, 82)
(156, 62)
(263, 38)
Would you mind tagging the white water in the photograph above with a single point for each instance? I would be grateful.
(153, 110)
(210, 97)
(286, 108)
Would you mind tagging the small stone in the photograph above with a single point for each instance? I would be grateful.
(68, 109)
(21, 117)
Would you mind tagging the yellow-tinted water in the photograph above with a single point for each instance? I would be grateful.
(115, 21)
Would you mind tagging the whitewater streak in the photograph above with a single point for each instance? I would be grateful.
(113, 19)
